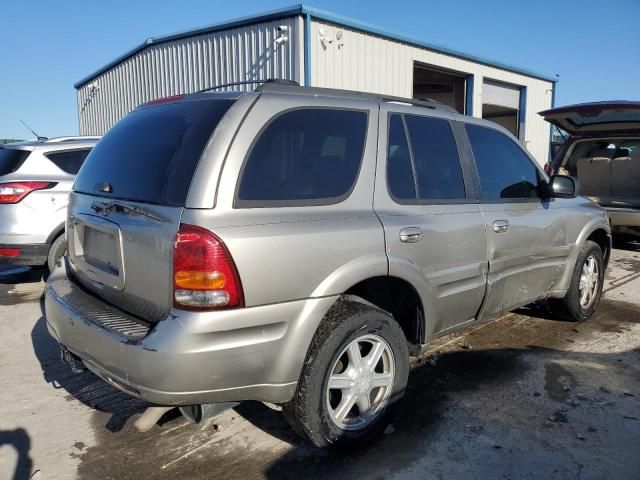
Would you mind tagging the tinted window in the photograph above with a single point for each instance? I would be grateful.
(505, 170)
(152, 153)
(437, 163)
(11, 159)
(69, 162)
(307, 154)
(399, 171)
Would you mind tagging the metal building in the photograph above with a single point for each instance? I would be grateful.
(318, 48)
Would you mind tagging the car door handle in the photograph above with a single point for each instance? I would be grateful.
(410, 235)
(501, 226)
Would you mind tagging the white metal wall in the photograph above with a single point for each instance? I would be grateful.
(366, 62)
(191, 64)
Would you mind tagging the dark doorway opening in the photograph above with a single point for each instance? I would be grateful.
(444, 86)
(505, 116)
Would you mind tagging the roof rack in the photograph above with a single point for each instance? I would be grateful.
(260, 83)
(76, 138)
(287, 86)
(280, 85)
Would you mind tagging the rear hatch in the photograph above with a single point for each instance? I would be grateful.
(127, 202)
(588, 119)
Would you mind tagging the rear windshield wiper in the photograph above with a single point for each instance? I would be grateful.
(108, 207)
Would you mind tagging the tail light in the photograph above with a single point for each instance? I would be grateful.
(204, 274)
(157, 101)
(13, 192)
(10, 252)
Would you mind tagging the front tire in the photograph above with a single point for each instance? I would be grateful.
(355, 373)
(585, 290)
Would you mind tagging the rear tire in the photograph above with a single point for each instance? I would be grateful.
(56, 251)
(356, 348)
(583, 296)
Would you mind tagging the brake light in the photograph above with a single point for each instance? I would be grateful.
(13, 192)
(157, 101)
(9, 252)
(204, 274)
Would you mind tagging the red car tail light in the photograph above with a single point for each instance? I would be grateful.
(9, 252)
(14, 192)
(204, 274)
(157, 101)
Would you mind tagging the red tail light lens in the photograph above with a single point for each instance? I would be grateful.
(204, 274)
(157, 101)
(9, 252)
(13, 192)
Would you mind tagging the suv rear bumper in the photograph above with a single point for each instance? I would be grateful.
(624, 217)
(187, 358)
(34, 254)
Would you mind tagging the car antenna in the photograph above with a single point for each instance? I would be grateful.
(41, 139)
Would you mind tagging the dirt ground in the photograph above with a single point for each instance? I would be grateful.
(524, 396)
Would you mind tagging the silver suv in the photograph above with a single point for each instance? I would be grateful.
(35, 181)
(295, 245)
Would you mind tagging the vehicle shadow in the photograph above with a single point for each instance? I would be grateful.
(86, 386)
(11, 275)
(19, 440)
(538, 310)
(626, 242)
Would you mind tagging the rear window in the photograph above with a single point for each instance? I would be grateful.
(151, 154)
(11, 159)
(69, 161)
(304, 157)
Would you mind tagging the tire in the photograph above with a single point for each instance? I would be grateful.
(570, 307)
(56, 251)
(314, 408)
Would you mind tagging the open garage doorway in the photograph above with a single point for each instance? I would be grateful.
(504, 104)
(444, 86)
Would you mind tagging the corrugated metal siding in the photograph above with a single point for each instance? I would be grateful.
(374, 64)
(188, 65)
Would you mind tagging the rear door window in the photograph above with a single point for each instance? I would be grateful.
(306, 156)
(11, 159)
(505, 171)
(435, 154)
(422, 160)
(69, 161)
(400, 175)
(152, 153)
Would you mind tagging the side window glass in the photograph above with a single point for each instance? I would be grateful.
(399, 171)
(70, 161)
(305, 155)
(437, 164)
(505, 170)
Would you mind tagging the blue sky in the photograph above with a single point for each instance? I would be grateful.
(45, 47)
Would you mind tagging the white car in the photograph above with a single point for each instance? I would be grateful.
(35, 180)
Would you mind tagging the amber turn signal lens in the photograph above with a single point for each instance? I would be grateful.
(199, 280)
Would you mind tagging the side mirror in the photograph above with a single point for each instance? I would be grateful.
(562, 186)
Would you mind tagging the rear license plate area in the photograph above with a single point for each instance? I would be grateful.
(101, 249)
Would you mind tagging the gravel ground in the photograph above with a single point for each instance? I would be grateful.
(524, 396)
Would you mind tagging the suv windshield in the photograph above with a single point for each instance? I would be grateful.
(11, 159)
(151, 154)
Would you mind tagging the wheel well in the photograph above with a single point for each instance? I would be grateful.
(399, 298)
(602, 239)
(59, 230)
